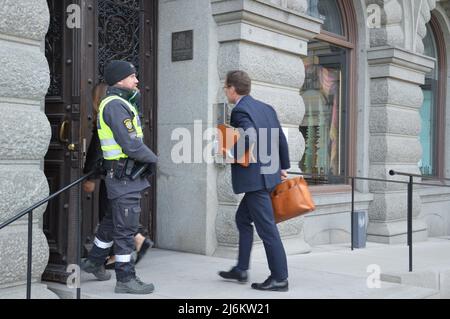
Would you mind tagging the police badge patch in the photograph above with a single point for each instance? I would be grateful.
(129, 125)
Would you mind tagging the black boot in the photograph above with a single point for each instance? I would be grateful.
(134, 286)
(98, 271)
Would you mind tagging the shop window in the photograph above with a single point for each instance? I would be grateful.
(324, 123)
(328, 123)
(428, 133)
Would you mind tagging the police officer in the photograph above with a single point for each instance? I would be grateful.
(121, 138)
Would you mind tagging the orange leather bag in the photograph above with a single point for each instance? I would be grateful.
(291, 198)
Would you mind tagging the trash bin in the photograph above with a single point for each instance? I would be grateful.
(359, 220)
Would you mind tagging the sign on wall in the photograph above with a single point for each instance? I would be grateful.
(182, 45)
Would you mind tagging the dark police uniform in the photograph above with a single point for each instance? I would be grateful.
(123, 192)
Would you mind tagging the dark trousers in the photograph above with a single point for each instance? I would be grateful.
(103, 202)
(256, 208)
(104, 209)
(119, 225)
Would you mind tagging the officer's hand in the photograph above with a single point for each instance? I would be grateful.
(99, 170)
(89, 186)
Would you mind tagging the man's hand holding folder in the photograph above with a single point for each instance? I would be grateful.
(228, 137)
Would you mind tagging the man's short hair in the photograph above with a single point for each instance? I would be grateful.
(240, 80)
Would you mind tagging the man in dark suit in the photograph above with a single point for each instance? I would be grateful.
(260, 130)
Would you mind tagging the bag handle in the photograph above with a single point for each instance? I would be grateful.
(296, 181)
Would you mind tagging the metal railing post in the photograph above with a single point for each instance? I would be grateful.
(410, 204)
(353, 211)
(29, 253)
(79, 241)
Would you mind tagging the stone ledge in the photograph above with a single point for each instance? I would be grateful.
(333, 199)
(424, 279)
(394, 232)
(265, 24)
(398, 63)
(433, 278)
(267, 15)
(430, 194)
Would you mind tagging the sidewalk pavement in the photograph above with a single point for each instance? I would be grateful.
(330, 271)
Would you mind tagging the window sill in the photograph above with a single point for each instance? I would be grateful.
(334, 202)
(430, 194)
(329, 189)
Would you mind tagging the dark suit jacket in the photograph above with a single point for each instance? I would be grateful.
(94, 154)
(265, 173)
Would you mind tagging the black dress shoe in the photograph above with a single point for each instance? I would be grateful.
(236, 274)
(145, 245)
(272, 285)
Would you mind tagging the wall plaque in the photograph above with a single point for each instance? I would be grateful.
(182, 45)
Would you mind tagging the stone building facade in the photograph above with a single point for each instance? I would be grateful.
(273, 41)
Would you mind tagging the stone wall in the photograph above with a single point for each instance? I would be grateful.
(24, 137)
(186, 93)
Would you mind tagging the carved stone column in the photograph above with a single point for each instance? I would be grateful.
(397, 69)
(24, 138)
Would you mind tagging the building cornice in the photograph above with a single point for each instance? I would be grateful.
(264, 23)
(399, 63)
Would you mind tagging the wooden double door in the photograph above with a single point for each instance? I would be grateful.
(83, 36)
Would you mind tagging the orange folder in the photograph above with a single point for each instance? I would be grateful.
(228, 137)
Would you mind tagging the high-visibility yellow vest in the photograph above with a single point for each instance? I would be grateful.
(111, 149)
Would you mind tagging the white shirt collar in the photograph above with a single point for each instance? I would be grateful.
(239, 100)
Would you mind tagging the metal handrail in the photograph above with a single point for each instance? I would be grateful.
(410, 205)
(29, 211)
(409, 183)
(393, 172)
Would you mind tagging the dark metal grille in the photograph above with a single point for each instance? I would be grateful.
(53, 47)
(118, 32)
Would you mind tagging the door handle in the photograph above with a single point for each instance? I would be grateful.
(83, 153)
(71, 147)
(62, 132)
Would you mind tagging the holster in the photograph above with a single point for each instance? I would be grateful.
(141, 170)
(124, 167)
(119, 168)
